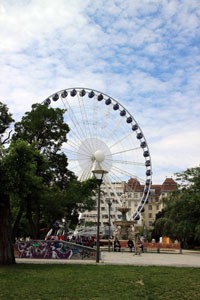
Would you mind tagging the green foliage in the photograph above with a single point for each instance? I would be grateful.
(24, 164)
(43, 126)
(60, 194)
(68, 202)
(5, 121)
(181, 217)
(35, 175)
(189, 179)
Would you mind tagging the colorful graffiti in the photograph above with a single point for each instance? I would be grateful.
(53, 250)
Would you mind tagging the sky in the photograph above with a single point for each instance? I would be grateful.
(145, 54)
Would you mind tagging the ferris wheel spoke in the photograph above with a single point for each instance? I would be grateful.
(104, 124)
(76, 151)
(129, 174)
(115, 130)
(85, 174)
(123, 138)
(126, 162)
(122, 172)
(126, 150)
(86, 149)
(72, 144)
(84, 116)
(77, 132)
(80, 131)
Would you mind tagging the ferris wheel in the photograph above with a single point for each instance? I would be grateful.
(103, 132)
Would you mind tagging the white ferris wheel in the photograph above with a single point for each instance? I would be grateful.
(103, 132)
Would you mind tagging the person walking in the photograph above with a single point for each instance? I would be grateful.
(138, 247)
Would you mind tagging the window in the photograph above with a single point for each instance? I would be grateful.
(149, 207)
(105, 216)
(150, 215)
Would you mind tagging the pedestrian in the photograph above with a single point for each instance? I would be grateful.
(117, 245)
(138, 247)
(130, 245)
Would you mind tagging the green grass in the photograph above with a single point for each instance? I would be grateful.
(92, 282)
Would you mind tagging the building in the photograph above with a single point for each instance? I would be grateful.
(155, 200)
(129, 194)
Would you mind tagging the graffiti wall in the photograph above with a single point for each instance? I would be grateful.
(51, 249)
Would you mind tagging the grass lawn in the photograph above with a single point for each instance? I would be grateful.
(92, 282)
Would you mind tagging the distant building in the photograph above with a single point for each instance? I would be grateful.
(129, 194)
(155, 201)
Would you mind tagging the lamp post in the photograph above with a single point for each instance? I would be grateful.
(98, 174)
(109, 209)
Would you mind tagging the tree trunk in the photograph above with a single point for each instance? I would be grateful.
(37, 220)
(33, 233)
(17, 221)
(6, 246)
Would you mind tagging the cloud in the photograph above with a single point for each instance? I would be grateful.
(145, 54)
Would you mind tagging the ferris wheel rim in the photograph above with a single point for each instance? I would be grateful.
(129, 119)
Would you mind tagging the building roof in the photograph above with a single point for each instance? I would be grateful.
(169, 185)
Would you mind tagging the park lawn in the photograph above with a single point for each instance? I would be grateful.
(102, 282)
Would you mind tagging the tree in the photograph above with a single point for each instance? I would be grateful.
(26, 166)
(35, 183)
(180, 218)
(20, 178)
(45, 129)
(6, 247)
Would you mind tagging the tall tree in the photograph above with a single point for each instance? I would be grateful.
(26, 166)
(44, 127)
(34, 177)
(6, 247)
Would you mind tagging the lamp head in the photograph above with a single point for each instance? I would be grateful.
(98, 174)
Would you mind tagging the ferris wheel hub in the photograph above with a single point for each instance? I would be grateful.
(99, 156)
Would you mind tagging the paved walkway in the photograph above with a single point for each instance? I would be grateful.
(186, 259)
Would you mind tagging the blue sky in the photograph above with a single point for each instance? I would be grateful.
(145, 54)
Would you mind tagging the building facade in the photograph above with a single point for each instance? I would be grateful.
(129, 194)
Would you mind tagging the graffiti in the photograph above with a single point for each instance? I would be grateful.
(40, 249)
(50, 249)
(86, 254)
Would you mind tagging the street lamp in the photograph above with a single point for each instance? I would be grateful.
(109, 209)
(98, 174)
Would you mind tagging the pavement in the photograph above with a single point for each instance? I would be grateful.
(186, 259)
